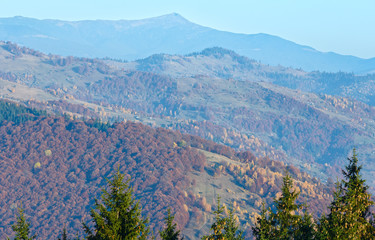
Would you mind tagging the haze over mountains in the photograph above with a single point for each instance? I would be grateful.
(233, 89)
(172, 34)
(227, 64)
(215, 94)
(243, 100)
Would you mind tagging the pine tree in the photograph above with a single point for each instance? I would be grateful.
(218, 226)
(285, 218)
(64, 234)
(350, 215)
(329, 227)
(232, 230)
(306, 229)
(264, 227)
(322, 228)
(224, 228)
(118, 215)
(285, 223)
(22, 227)
(170, 233)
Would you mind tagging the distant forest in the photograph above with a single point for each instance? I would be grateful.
(117, 215)
(54, 167)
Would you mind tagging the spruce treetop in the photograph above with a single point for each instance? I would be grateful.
(117, 216)
(22, 227)
(170, 232)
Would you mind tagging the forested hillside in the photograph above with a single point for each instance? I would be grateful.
(226, 64)
(54, 167)
(215, 94)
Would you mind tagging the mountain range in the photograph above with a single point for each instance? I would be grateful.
(216, 94)
(222, 121)
(170, 34)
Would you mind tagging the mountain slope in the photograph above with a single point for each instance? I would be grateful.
(172, 34)
(55, 168)
(226, 64)
(314, 132)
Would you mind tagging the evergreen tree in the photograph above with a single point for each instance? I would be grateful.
(22, 227)
(232, 230)
(14, 112)
(170, 233)
(218, 226)
(306, 229)
(350, 215)
(264, 227)
(224, 228)
(285, 218)
(285, 223)
(64, 234)
(118, 215)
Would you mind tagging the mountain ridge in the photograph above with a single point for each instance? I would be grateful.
(170, 34)
(224, 97)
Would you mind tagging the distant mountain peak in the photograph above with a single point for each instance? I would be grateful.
(170, 18)
(170, 33)
(175, 15)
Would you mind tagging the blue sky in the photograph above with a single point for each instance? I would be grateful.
(345, 27)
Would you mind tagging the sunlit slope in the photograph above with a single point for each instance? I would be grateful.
(313, 131)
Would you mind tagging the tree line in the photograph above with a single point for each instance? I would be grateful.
(118, 215)
(349, 214)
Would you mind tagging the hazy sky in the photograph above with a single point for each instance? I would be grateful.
(342, 26)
